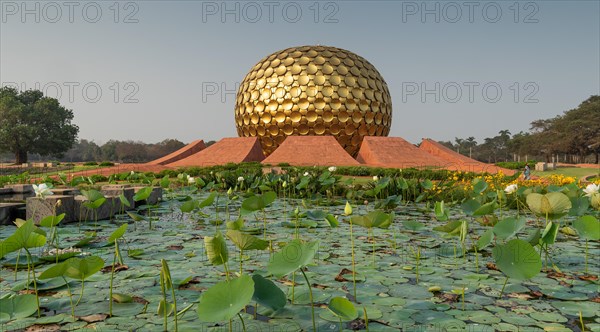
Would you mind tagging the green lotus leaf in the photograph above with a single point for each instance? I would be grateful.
(216, 249)
(588, 228)
(224, 300)
(517, 259)
(266, 293)
(552, 205)
(292, 257)
(342, 308)
(509, 227)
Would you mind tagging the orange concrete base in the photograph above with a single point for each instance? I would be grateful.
(311, 151)
(227, 150)
(184, 152)
(395, 152)
(456, 161)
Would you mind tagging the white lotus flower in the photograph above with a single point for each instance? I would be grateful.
(284, 184)
(511, 188)
(191, 180)
(375, 178)
(306, 174)
(42, 190)
(241, 179)
(591, 189)
(332, 169)
(131, 173)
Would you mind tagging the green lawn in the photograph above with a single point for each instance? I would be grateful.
(568, 171)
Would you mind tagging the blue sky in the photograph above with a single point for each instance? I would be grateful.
(150, 70)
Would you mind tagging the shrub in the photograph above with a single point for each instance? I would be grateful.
(515, 164)
(98, 178)
(90, 163)
(107, 163)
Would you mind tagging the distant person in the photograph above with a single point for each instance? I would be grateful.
(527, 173)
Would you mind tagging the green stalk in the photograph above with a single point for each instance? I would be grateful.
(586, 257)
(112, 276)
(502, 291)
(80, 295)
(353, 262)
(37, 298)
(373, 242)
(243, 324)
(164, 294)
(241, 260)
(70, 297)
(366, 319)
(310, 294)
(17, 266)
(174, 301)
(264, 224)
(293, 286)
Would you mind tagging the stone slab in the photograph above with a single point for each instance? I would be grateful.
(9, 212)
(6, 191)
(39, 208)
(66, 191)
(20, 188)
(116, 190)
(105, 211)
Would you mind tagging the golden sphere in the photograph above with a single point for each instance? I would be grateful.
(313, 90)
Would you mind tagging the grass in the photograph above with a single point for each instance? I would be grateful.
(576, 172)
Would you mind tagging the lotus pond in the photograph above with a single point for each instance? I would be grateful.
(254, 260)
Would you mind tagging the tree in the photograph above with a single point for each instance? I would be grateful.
(32, 123)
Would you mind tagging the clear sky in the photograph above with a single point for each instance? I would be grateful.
(150, 70)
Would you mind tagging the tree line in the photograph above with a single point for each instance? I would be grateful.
(36, 127)
(571, 137)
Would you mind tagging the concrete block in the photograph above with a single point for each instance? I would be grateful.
(20, 188)
(105, 211)
(9, 212)
(116, 190)
(38, 208)
(66, 191)
(18, 197)
(541, 167)
(6, 191)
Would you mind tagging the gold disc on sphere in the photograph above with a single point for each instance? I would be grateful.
(313, 90)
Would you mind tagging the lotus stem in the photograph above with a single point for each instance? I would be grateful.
(80, 295)
(503, 286)
(293, 286)
(241, 260)
(264, 224)
(586, 257)
(581, 322)
(310, 294)
(366, 319)
(242, 320)
(373, 245)
(112, 276)
(174, 301)
(353, 261)
(37, 298)
(17, 266)
(70, 297)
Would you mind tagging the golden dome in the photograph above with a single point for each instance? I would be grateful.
(313, 90)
